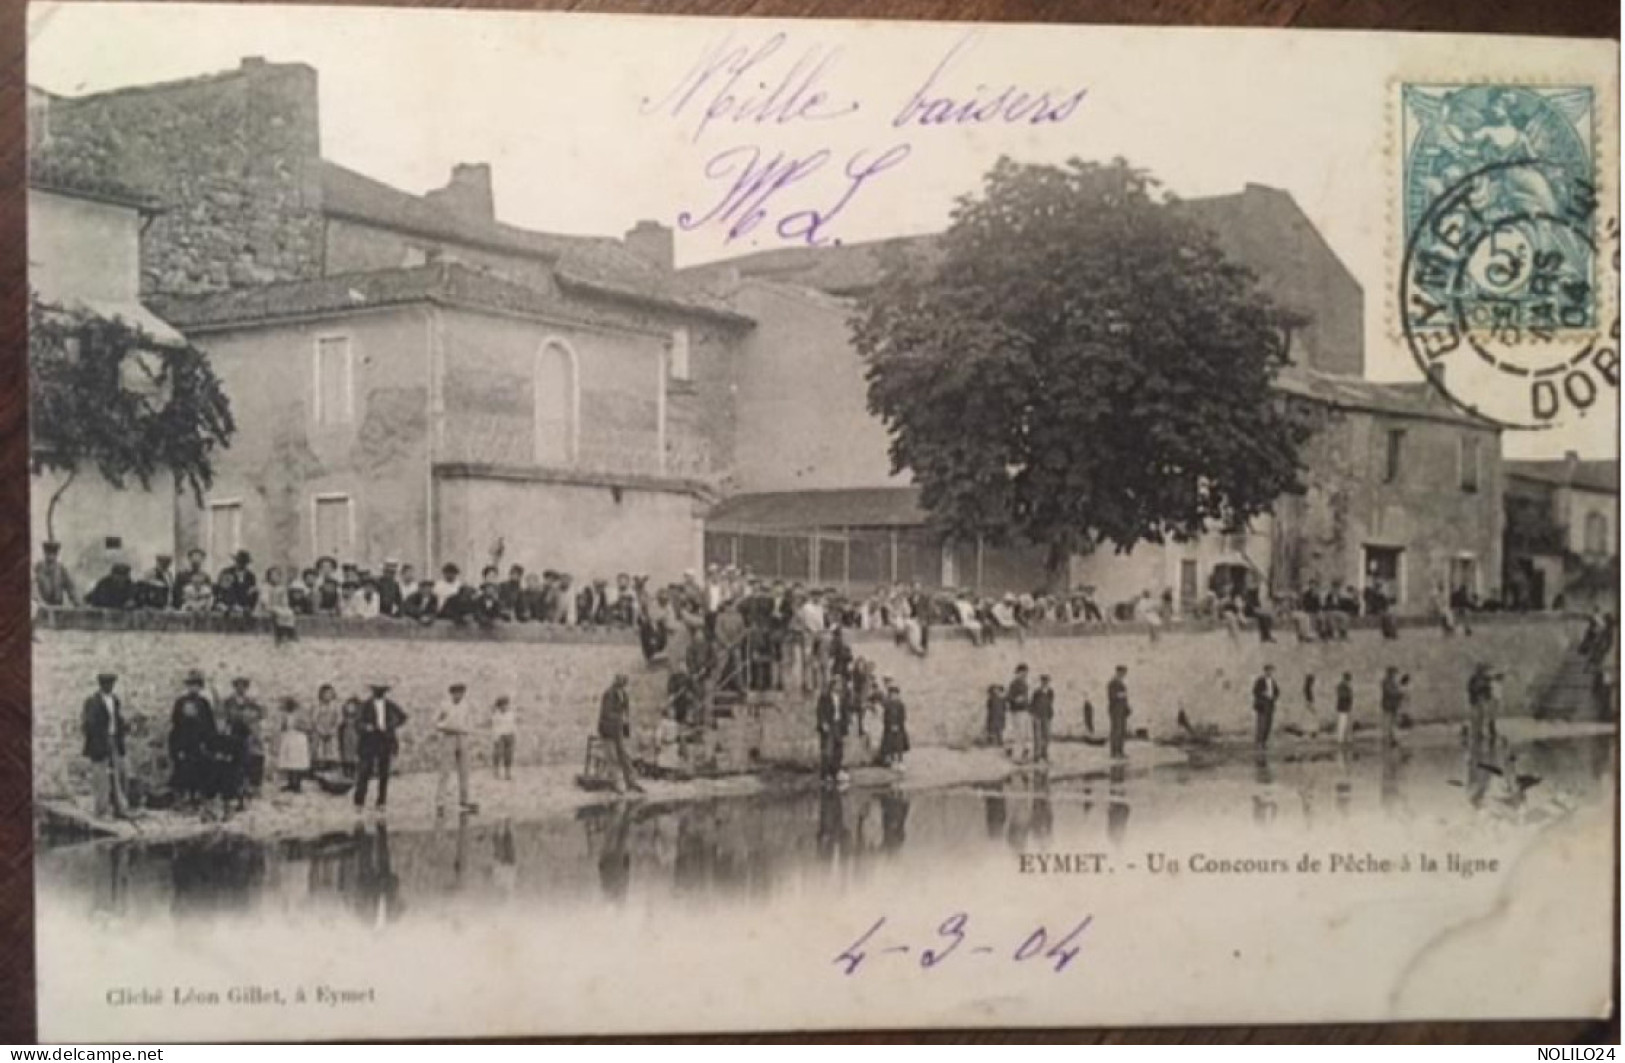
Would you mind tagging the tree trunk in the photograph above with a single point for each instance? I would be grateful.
(56, 496)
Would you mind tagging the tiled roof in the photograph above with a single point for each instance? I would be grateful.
(867, 507)
(445, 283)
(595, 264)
(1592, 475)
(1418, 400)
(838, 269)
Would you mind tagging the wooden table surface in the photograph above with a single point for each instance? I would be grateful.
(1567, 18)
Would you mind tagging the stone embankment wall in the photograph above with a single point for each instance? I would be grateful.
(555, 677)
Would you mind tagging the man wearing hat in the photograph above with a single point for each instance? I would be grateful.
(244, 723)
(157, 588)
(1017, 700)
(102, 720)
(235, 590)
(191, 733)
(1266, 693)
(393, 587)
(1480, 694)
(116, 590)
(376, 742)
(451, 726)
(1043, 710)
(53, 585)
(1118, 712)
(614, 727)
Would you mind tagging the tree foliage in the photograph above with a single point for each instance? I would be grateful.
(104, 395)
(1080, 365)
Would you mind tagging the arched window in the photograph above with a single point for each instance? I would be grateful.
(556, 403)
(1596, 534)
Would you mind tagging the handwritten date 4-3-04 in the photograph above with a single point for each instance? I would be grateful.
(953, 937)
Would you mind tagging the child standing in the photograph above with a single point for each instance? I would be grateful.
(504, 725)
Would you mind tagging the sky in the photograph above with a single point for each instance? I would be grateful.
(590, 125)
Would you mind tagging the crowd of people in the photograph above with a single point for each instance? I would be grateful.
(224, 752)
(769, 625)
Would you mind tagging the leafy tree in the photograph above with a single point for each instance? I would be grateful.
(1080, 365)
(105, 395)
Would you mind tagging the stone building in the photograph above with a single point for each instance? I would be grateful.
(412, 377)
(1562, 532)
(1401, 488)
(806, 441)
(84, 246)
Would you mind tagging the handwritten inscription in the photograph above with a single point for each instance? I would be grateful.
(953, 938)
(753, 185)
(754, 86)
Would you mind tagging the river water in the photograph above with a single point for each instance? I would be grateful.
(747, 848)
(1311, 885)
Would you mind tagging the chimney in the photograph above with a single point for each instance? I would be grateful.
(252, 62)
(1571, 464)
(468, 193)
(654, 243)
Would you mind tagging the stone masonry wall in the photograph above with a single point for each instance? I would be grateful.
(234, 161)
(556, 677)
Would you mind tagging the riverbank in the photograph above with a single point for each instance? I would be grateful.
(541, 792)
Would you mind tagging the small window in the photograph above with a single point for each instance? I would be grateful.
(225, 529)
(1464, 574)
(113, 542)
(334, 380)
(335, 526)
(679, 362)
(1596, 534)
(1394, 459)
(1469, 462)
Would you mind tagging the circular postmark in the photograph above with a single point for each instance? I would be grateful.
(1501, 301)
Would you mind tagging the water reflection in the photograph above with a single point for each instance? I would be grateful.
(722, 850)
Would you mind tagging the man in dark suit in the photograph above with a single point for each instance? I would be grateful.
(1043, 709)
(235, 589)
(103, 722)
(390, 593)
(614, 727)
(157, 589)
(1117, 710)
(1266, 692)
(192, 736)
(116, 590)
(833, 715)
(377, 742)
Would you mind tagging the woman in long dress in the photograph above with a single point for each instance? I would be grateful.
(894, 737)
(324, 735)
(293, 745)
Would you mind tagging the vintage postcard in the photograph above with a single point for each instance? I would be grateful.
(553, 524)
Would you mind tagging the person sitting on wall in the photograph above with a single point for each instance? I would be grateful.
(592, 604)
(511, 595)
(488, 601)
(53, 585)
(236, 589)
(302, 593)
(157, 588)
(116, 590)
(421, 605)
(364, 604)
(389, 587)
(195, 566)
(198, 594)
(449, 585)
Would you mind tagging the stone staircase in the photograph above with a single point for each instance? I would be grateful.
(1570, 692)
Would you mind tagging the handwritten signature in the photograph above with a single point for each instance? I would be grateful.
(736, 84)
(753, 186)
(953, 937)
